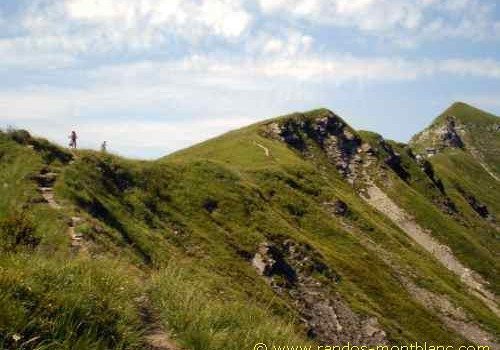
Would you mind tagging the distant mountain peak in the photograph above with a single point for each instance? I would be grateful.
(457, 127)
(467, 114)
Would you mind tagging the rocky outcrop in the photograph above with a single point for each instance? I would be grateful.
(444, 202)
(337, 207)
(296, 271)
(449, 134)
(393, 160)
(328, 131)
(480, 208)
(428, 169)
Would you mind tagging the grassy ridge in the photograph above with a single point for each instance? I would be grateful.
(182, 231)
(50, 300)
(464, 177)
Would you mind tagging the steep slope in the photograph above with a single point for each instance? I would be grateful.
(355, 163)
(47, 298)
(116, 293)
(467, 128)
(468, 170)
(294, 230)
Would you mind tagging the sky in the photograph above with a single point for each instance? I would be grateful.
(154, 76)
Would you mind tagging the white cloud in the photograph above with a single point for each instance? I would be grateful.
(21, 105)
(307, 67)
(292, 44)
(101, 27)
(218, 17)
(342, 69)
(59, 33)
(98, 10)
(478, 68)
(52, 103)
(196, 98)
(231, 74)
(401, 20)
(27, 53)
(198, 83)
(225, 18)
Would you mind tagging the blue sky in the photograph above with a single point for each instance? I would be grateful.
(154, 76)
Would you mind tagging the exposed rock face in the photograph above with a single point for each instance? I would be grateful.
(269, 261)
(296, 271)
(477, 206)
(428, 169)
(329, 132)
(443, 135)
(445, 203)
(449, 134)
(291, 132)
(393, 160)
(337, 207)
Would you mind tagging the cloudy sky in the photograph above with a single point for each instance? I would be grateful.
(154, 76)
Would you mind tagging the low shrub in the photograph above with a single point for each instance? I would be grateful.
(17, 231)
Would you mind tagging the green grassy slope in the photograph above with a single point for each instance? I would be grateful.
(481, 132)
(466, 174)
(183, 231)
(54, 299)
(240, 152)
(47, 299)
(428, 190)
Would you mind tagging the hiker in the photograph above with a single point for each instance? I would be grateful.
(104, 146)
(72, 139)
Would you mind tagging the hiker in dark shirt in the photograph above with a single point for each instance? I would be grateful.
(72, 139)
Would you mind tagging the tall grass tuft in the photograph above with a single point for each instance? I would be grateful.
(61, 304)
(203, 320)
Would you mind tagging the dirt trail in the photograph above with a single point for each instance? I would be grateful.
(488, 170)
(155, 336)
(478, 156)
(477, 285)
(266, 150)
(46, 182)
(45, 186)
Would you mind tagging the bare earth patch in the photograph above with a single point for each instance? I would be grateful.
(379, 200)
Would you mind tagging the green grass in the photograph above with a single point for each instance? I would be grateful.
(53, 301)
(183, 229)
(481, 132)
(473, 238)
(60, 304)
(203, 318)
(48, 300)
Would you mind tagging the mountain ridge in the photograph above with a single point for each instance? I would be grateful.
(321, 233)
